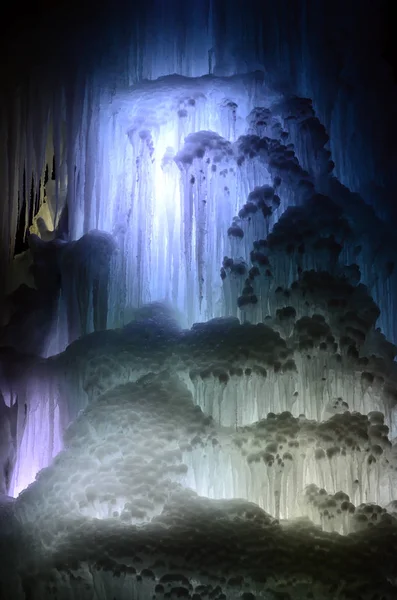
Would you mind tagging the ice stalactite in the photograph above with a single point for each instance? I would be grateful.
(34, 418)
(8, 446)
(40, 439)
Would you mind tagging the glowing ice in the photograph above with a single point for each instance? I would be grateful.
(207, 192)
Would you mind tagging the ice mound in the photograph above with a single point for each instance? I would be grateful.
(236, 373)
(198, 547)
(134, 445)
(207, 352)
(121, 456)
(157, 314)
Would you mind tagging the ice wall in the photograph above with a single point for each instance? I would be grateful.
(101, 516)
(180, 160)
(305, 49)
(201, 44)
(214, 158)
(241, 376)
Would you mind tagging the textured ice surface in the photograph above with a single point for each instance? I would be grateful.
(178, 160)
(112, 514)
(237, 374)
(197, 547)
(285, 400)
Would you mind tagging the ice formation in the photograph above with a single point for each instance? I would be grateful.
(198, 384)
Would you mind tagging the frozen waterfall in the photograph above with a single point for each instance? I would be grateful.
(198, 384)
